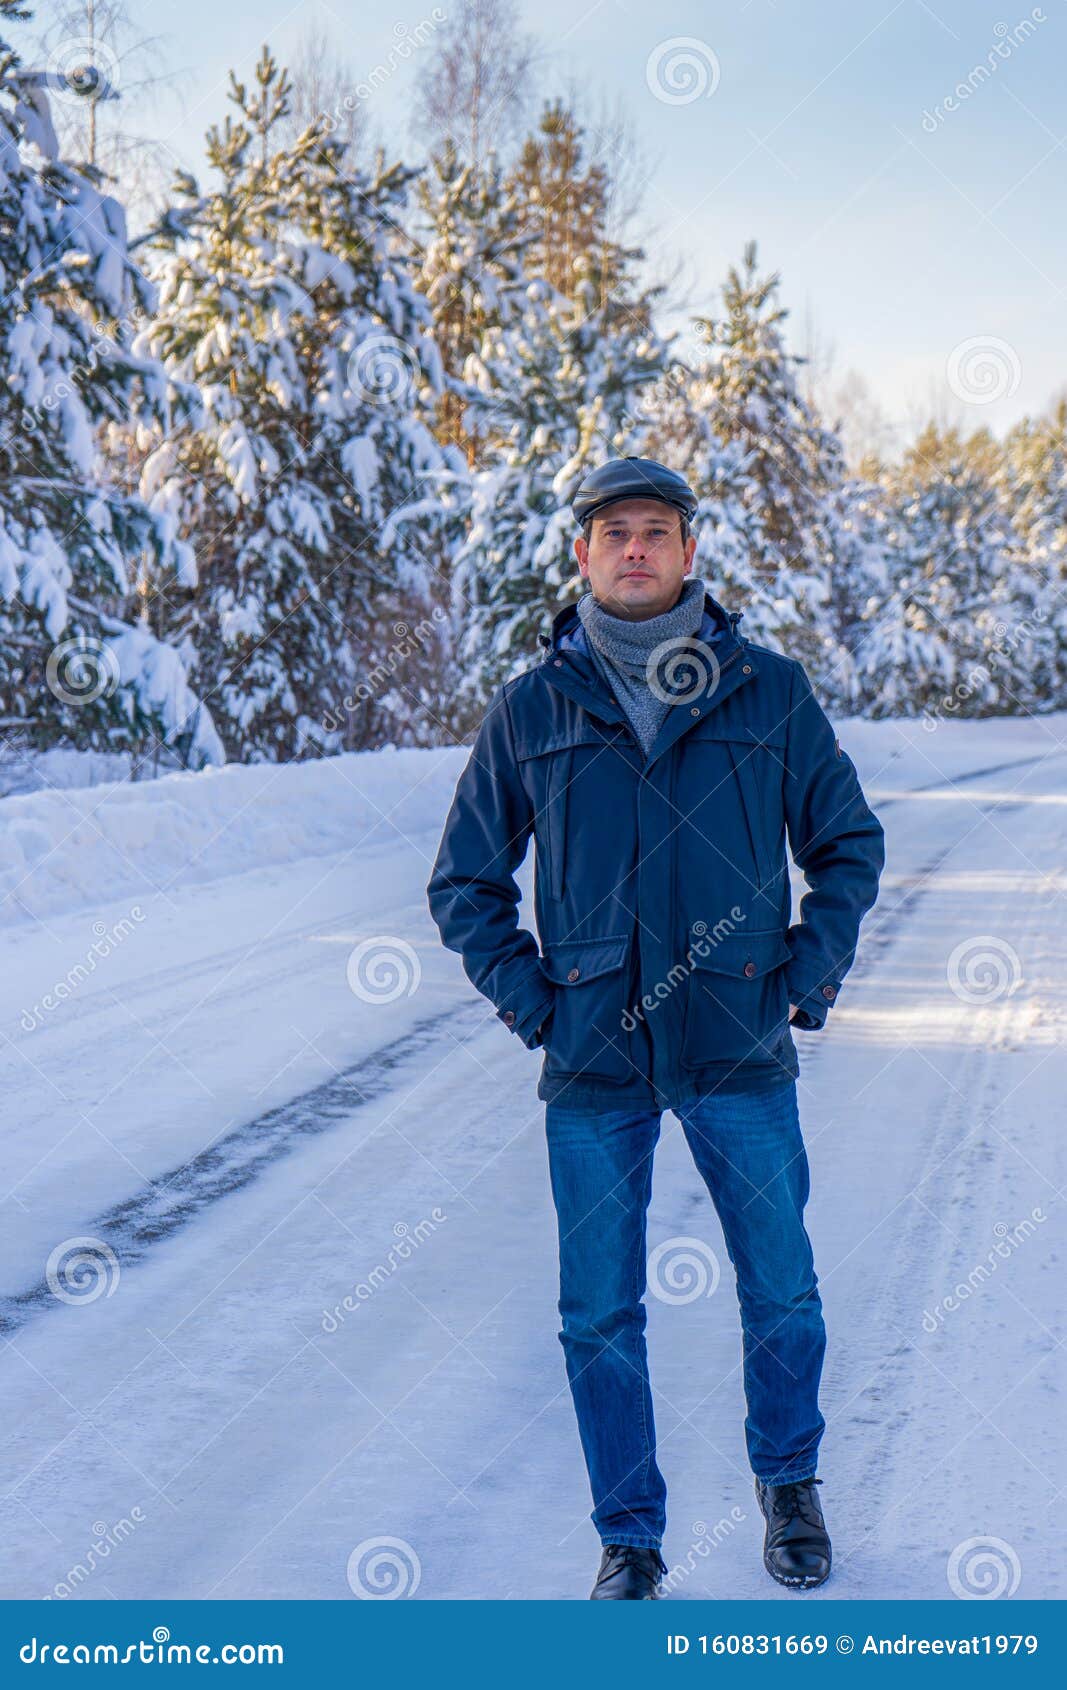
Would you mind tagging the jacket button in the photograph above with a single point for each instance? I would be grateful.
(750, 969)
(557, 662)
(572, 974)
(509, 1017)
(695, 711)
(746, 668)
(829, 992)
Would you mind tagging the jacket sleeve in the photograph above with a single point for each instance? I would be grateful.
(838, 844)
(472, 892)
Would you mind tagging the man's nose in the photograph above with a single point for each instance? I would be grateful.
(636, 548)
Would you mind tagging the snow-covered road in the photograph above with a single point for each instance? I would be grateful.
(247, 1141)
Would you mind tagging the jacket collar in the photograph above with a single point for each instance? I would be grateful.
(568, 663)
(718, 626)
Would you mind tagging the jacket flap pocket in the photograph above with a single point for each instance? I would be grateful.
(744, 954)
(577, 960)
(719, 726)
(544, 741)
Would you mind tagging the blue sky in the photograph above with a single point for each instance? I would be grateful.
(898, 238)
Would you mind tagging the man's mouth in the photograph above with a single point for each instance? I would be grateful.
(638, 575)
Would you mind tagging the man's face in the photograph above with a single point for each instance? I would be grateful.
(635, 562)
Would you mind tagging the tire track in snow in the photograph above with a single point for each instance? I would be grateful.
(134, 1226)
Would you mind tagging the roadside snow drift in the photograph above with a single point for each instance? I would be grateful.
(82, 847)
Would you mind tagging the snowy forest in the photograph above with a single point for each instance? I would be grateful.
(288, 449)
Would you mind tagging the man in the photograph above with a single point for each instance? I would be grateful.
(659, 760)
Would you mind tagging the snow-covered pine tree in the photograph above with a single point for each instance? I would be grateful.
(864, 610)
(747, 391)
(1034, 482)
(1035, 459)
(558, 392)
(311, 485)
(965, 631)
(471, 272)
(80, 665)
(555, 386)
(731, 542)
(471, 275)
(564, 198)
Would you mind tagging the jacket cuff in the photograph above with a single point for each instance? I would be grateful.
(813, 1006)
(525, 1010)
(807, 1019)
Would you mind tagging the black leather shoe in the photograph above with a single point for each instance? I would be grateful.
(796, 1545)
(628, 1574)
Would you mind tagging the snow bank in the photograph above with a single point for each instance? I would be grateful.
(32, 771)
(75, 849)
(899, 752)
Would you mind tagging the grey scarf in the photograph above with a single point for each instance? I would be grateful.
(622, 649)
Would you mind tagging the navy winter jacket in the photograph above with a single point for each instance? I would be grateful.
(667, 961)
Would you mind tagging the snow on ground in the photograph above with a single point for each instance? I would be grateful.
(254, 1142)
(70, 849)
(33, 771)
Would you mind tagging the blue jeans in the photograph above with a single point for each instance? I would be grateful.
(749, 1151)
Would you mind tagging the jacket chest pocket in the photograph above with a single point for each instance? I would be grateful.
(737, 1005)
(587, 1032)
(570, 781)
(754, 765)
(553, 836)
